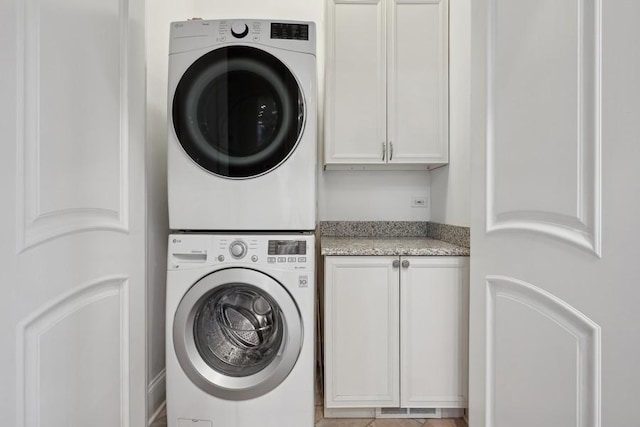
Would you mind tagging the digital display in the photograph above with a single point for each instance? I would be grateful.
(287, 247)
(289, 31)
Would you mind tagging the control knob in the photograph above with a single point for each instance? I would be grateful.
(238, 249)
(239, 30)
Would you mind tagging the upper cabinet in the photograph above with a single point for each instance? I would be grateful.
(387, 86)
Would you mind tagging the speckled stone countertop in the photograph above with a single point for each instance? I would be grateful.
(421, 246)
(393, 238)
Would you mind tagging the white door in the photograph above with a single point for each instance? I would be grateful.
(555, 271)
(362, 328)
(72, 309)
(356, 115)
(434, 302)
(418, 81)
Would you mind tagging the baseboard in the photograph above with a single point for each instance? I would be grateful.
(156, 396)
(377, 413)
(349, 412)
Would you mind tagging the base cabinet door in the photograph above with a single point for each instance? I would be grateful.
(396, 331)
(433, 332)
(361, 332)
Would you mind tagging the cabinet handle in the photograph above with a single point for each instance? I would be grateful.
(405, 264)
(384, 150)
(390, 151)
(396, 263)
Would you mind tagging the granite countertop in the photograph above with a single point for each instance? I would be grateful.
(393, 238)
(420, 246)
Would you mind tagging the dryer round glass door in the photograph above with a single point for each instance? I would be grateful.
(237, 333)
(238, 112)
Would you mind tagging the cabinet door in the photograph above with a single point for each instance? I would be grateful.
(356, 82)
(434, 332)
(418, 81)
(361, 332)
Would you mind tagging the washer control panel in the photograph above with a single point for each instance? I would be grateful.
(287, 247)
(288, 252)
(280, 252)
(238, 249)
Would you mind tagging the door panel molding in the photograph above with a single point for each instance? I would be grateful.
(35, 225)
(583, 227)
(586, 332)
(32, 329)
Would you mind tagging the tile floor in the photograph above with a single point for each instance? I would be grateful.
(161, 421)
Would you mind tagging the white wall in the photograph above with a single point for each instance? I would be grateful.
(372, 195)
(450, 193)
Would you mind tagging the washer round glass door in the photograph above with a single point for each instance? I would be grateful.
(237, 333)
(238, 112)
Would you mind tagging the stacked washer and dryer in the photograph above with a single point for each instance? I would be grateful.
(241, 182)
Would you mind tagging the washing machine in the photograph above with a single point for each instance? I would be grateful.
(240, 330)
(242, 125)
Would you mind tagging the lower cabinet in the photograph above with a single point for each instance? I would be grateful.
(396, 331)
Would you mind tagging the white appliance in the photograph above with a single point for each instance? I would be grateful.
(242, 125)
(240, 330)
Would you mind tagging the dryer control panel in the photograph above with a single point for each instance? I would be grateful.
(298, 36)
(288, 252)
(288, 31)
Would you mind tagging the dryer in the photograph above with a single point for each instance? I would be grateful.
(240, 330)
(242, 125)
